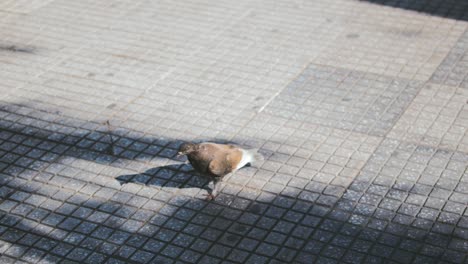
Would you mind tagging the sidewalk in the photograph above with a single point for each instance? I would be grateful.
(359, 107)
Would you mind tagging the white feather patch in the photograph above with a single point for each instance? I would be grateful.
(247, 157)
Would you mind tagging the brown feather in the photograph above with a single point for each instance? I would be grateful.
(214, 159)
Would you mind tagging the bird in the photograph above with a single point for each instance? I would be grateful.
(217, 160)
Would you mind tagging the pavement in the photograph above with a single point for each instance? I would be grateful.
(359, 107)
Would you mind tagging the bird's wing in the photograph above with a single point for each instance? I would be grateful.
(217, 147)
(224, 164)
(217, 167)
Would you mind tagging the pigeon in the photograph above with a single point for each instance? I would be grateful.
(217, 160)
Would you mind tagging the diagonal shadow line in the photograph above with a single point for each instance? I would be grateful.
(453, 9)
(174, 176)
(224, 217)
(101, 144)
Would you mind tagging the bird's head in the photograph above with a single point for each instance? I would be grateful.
(187, 148)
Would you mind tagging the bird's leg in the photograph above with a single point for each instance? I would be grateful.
(214, 192)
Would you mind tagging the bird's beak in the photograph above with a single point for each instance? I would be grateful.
(179, 154)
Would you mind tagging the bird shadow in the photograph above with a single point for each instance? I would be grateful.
(174, 176)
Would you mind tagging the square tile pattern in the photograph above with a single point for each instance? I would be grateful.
(438, 117)
(345, 99)
(410, 202)
(63, 189)
(322, 194)
(358, 107)
(400, 42)
(453, 70)
(22, 6)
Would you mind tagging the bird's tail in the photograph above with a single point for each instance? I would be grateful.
(249, 156)
(254, 156)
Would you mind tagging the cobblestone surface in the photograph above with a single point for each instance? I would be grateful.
(359, 107)
(437, 117)
(344, 99)
(395, 43)
(453, 70)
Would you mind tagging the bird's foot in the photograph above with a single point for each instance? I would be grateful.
(209, 197)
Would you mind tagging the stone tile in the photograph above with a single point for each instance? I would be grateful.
(388, 208)
(452, 70)
(437, 117)
(391, 41)
(74, 189)
(344, 99)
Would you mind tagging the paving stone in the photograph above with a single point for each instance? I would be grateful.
(415, 205)
(452, 70)
(142, 256)
(79, 254)
(353, 49)
(95, 258)
(345, 103)
(365, 158)
(437, 117)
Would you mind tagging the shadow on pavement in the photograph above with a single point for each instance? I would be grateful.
(454, 9)
(175, 176)
(48, 216)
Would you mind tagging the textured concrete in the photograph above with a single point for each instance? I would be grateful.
(359, 107)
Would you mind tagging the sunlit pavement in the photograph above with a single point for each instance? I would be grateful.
(359, 107)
